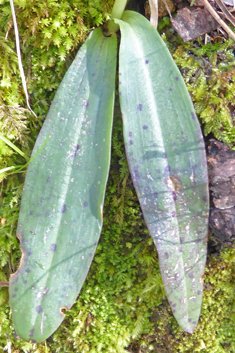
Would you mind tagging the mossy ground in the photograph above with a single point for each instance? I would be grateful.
(122, 306)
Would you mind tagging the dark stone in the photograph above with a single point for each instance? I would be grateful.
(221, 169)
(191, 23)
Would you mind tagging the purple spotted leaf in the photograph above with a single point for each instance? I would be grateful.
(166, 156)
(61, 211)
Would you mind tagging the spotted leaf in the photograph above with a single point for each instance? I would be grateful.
(166, 156)
(61, 212)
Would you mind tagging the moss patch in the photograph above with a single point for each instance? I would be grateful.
(122, 306)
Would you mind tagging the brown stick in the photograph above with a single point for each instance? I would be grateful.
(4, 284)
(154, 12)
(226, 12)
(218, 19)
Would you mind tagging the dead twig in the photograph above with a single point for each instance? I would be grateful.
(226, 12)
(167, 8)
(4, 284)
(218, 19)
(154, 12)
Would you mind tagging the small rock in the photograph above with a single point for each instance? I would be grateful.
(221, 169)
(193, 22)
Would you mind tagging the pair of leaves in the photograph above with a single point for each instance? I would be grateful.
(61, 212)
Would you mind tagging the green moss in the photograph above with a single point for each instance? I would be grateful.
(122, 306)
(209, 73)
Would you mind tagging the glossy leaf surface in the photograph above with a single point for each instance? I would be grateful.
(61, 212)
(166, 156)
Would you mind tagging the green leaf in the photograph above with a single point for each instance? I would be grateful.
(167, 160)
(61, 211)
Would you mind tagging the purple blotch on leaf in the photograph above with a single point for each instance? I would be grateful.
(181, 240)
(16, 289)
(38, 309)
(199, 292)
(30, 213)
(173, 214)
(31, 332)
(29, 253)
(27, 270)
(85, 104)
(191, 275)
(177, 78)
(180, 249)
(146, 61)
(136, 172)
(85, 204)
(130, 134)
(131, 142)
(174, 195)
(193, 115)
(189, 320)
(174, 305)
(48, 180)
(140, 107)
(166, 255)
(53, 247)
(145, 127)
(63, 208)
(155, 195)
(93, 74)
(170, 89)
(25, 282)
(167, 169)
(194, 167)
(75, 152)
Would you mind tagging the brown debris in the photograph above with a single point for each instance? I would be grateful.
(162, 10)
(216, 16)
(193, 22)
(3, 221)
(197, 3)
(221, 169)
(4, 284)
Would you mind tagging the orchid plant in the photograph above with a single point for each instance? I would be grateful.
(61, 213)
